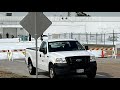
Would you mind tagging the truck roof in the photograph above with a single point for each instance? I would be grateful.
(52, 40)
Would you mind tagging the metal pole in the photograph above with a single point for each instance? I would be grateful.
(87, 37)
(36, 48)
(101, 37)
(71, 35)
(36, 60)
(96, 38)
(79, 35)
(104, 39)
(90, 35)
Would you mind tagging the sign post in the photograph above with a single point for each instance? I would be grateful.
(36, 48)
(35, 23)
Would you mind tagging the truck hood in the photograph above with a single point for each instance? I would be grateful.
(64, 54)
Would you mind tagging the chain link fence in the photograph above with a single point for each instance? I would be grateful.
(89, 38)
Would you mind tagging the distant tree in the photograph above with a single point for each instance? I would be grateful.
(81, 14)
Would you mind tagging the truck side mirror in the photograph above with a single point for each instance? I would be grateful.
(86, 47)
(43, 50)
(41, 38)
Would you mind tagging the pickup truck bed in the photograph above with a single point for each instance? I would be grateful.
(33, 48)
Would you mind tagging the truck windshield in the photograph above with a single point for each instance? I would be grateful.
(64, 46)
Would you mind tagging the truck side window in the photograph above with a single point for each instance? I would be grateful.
(43, 46)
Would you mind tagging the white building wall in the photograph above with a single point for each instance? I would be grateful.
(69, 24)
(21, 31)
(1, 33)
(10, 31)
(91, 24)
(1, 30)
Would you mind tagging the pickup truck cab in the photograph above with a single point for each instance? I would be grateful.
(60, 57)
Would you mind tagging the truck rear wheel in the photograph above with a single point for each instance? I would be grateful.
(31, 68)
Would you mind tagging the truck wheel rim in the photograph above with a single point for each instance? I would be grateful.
(30, 68)
(51, 73)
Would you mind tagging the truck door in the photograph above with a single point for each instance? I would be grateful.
(43, 59)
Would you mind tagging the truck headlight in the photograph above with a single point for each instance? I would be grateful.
(92, 58)
(60, 60)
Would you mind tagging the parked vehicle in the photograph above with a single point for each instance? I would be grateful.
(62, 57)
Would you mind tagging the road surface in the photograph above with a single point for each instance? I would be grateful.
(107, 68)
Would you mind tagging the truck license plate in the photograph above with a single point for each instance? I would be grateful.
(80, 70)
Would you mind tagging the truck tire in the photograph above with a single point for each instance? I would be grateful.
(31, 68)
(91, 74)
(52, 71)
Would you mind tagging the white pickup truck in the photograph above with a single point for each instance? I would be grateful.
(61, 57)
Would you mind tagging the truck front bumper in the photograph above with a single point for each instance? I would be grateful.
(64, 68)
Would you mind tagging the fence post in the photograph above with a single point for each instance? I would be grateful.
(101, 37)
(59, 36)
(96, 38)
(90, 35)
(113, 37)
(87, 37)
(104, 39)
(79, 36)
(64, 35)
(71, 35)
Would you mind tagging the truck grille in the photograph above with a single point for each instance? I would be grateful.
(78, 61)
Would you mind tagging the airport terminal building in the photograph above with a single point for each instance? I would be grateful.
(10, 25)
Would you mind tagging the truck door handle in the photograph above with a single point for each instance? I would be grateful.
(40, 55)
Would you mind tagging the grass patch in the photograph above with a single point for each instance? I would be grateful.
(5, 74)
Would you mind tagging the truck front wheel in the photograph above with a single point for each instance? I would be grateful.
(52, 71)
(91, 74)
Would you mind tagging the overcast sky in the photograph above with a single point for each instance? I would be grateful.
(114, 14)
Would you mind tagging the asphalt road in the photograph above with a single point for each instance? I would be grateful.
(19, 67)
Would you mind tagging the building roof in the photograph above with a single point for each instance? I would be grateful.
(66, 19)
